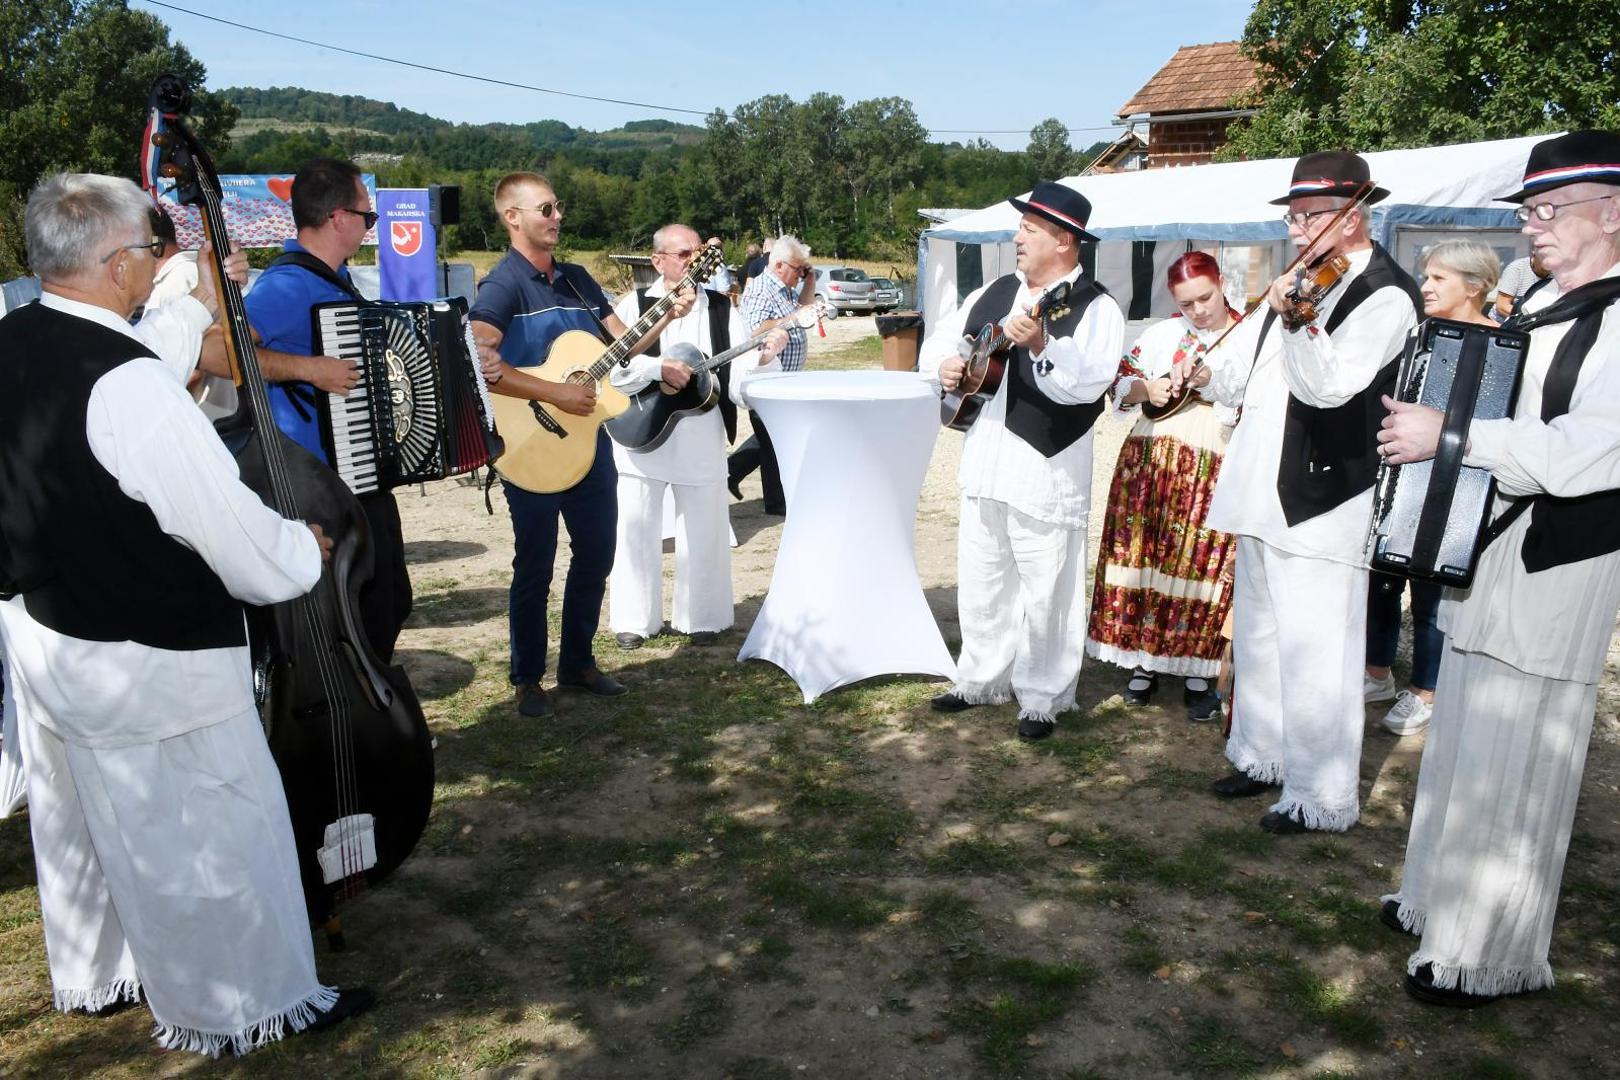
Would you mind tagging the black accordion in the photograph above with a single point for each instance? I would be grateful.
(421, 410)
(1428, 516)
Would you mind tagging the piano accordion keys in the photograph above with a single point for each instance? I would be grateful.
(1428, 516)
(421, 410)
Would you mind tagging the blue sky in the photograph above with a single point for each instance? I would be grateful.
(963, 65)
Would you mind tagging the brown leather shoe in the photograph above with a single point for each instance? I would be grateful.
(593, 681)
(534, 702)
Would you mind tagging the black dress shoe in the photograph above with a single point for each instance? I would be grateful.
(1282, 824)
(950, 702)
(1420, 984)
(704, 637)
(1191, 695)
(534, 702)
(1240, 785)
(1390, 915)
(1141, 695)
(629, 641)
(1032, 730)
(593, 681)
(350, 1002)
(1207, 707)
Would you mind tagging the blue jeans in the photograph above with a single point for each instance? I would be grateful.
(590, 510)
(1384, 626)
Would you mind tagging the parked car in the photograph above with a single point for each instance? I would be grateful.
(843, 288)
(885, 295)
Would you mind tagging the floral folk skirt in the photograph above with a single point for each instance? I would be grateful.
(1163, 584)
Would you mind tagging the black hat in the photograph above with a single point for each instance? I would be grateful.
(1334, 173)
(1591, 157)
(1061, 205)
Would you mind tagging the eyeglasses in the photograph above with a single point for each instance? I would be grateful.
(680, 255)
(370, 216)
(545, 209)
(1301, 217)
(154, 246)
(1548, 210)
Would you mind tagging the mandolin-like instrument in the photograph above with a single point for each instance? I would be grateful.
(987, 363)
(655, 409)
(346, 731)
(549, 450)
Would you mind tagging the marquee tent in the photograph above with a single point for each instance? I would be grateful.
(1146, 219)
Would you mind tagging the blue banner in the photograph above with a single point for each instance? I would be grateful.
(407, 249)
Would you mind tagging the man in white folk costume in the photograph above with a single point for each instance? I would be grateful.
(128, 547)
(1296, 489)
(1026, 467)
(691, 463)
(1526, 643)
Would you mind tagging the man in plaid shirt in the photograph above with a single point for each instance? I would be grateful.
(771, 298)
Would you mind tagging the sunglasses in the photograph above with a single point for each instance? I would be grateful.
(370, 216)
(545, 209)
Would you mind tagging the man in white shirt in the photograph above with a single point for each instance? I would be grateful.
(1296, 489)
(1026, 466)
(128, 546)
(691, 463)
(1527, 643)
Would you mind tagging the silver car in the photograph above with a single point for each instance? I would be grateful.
(885, 295)
(843, 288)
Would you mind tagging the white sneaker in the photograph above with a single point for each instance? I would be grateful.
(1377, 690)
(1409, 715)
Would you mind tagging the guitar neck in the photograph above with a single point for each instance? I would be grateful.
(621, 349)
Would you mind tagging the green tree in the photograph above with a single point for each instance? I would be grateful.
(1050, 155)
(74, 80)
(1390, 74)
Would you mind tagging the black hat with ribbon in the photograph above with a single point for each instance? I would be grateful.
(1331, 173)
(1061, 205)
(1580, 157)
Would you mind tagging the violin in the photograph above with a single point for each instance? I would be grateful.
(346, 731)
(1312, 284)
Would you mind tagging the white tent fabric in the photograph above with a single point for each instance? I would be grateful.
(1219, 206)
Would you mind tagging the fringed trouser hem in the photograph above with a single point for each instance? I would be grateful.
(97, 998)
(298, 1016)
(1485, 980)
(1412, 919)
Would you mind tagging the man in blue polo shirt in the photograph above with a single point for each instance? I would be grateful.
(332, 211)
(528, 300)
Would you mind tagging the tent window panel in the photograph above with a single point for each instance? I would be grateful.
(1141, 279)
(969, 270)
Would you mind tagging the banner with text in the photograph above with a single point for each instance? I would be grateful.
(407, 249)
(258, 211)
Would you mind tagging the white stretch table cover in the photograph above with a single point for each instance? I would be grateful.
(845, 601)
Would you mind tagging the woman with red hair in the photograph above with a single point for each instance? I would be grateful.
(1163, 586)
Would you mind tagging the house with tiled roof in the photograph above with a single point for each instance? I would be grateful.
(1188, 104)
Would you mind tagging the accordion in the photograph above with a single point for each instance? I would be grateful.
(421, 410)
(1428, 515)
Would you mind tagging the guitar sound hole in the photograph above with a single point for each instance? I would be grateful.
(581, 378)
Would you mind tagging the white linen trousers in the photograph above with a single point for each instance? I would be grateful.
(702, 598)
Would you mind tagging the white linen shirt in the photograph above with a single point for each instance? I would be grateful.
(1555, 623)
(145, 430)
(996, 464)
(695, 451)
(1322, 371)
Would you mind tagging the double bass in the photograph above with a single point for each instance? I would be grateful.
(346, 730)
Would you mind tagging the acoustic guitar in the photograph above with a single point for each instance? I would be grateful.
(549, 450)
(656, 409)
(987, 363)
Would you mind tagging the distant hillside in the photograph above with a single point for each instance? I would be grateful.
(291, 108)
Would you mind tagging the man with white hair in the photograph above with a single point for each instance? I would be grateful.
(128, 547)
(690, 463)
(1526, 644)
(770, 301)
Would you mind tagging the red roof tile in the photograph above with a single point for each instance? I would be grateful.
(1197, 77)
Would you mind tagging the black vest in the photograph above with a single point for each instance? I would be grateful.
(1329, 456)
(719, 342)
(92, 562)
(1046, 425)
(1573, 529)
